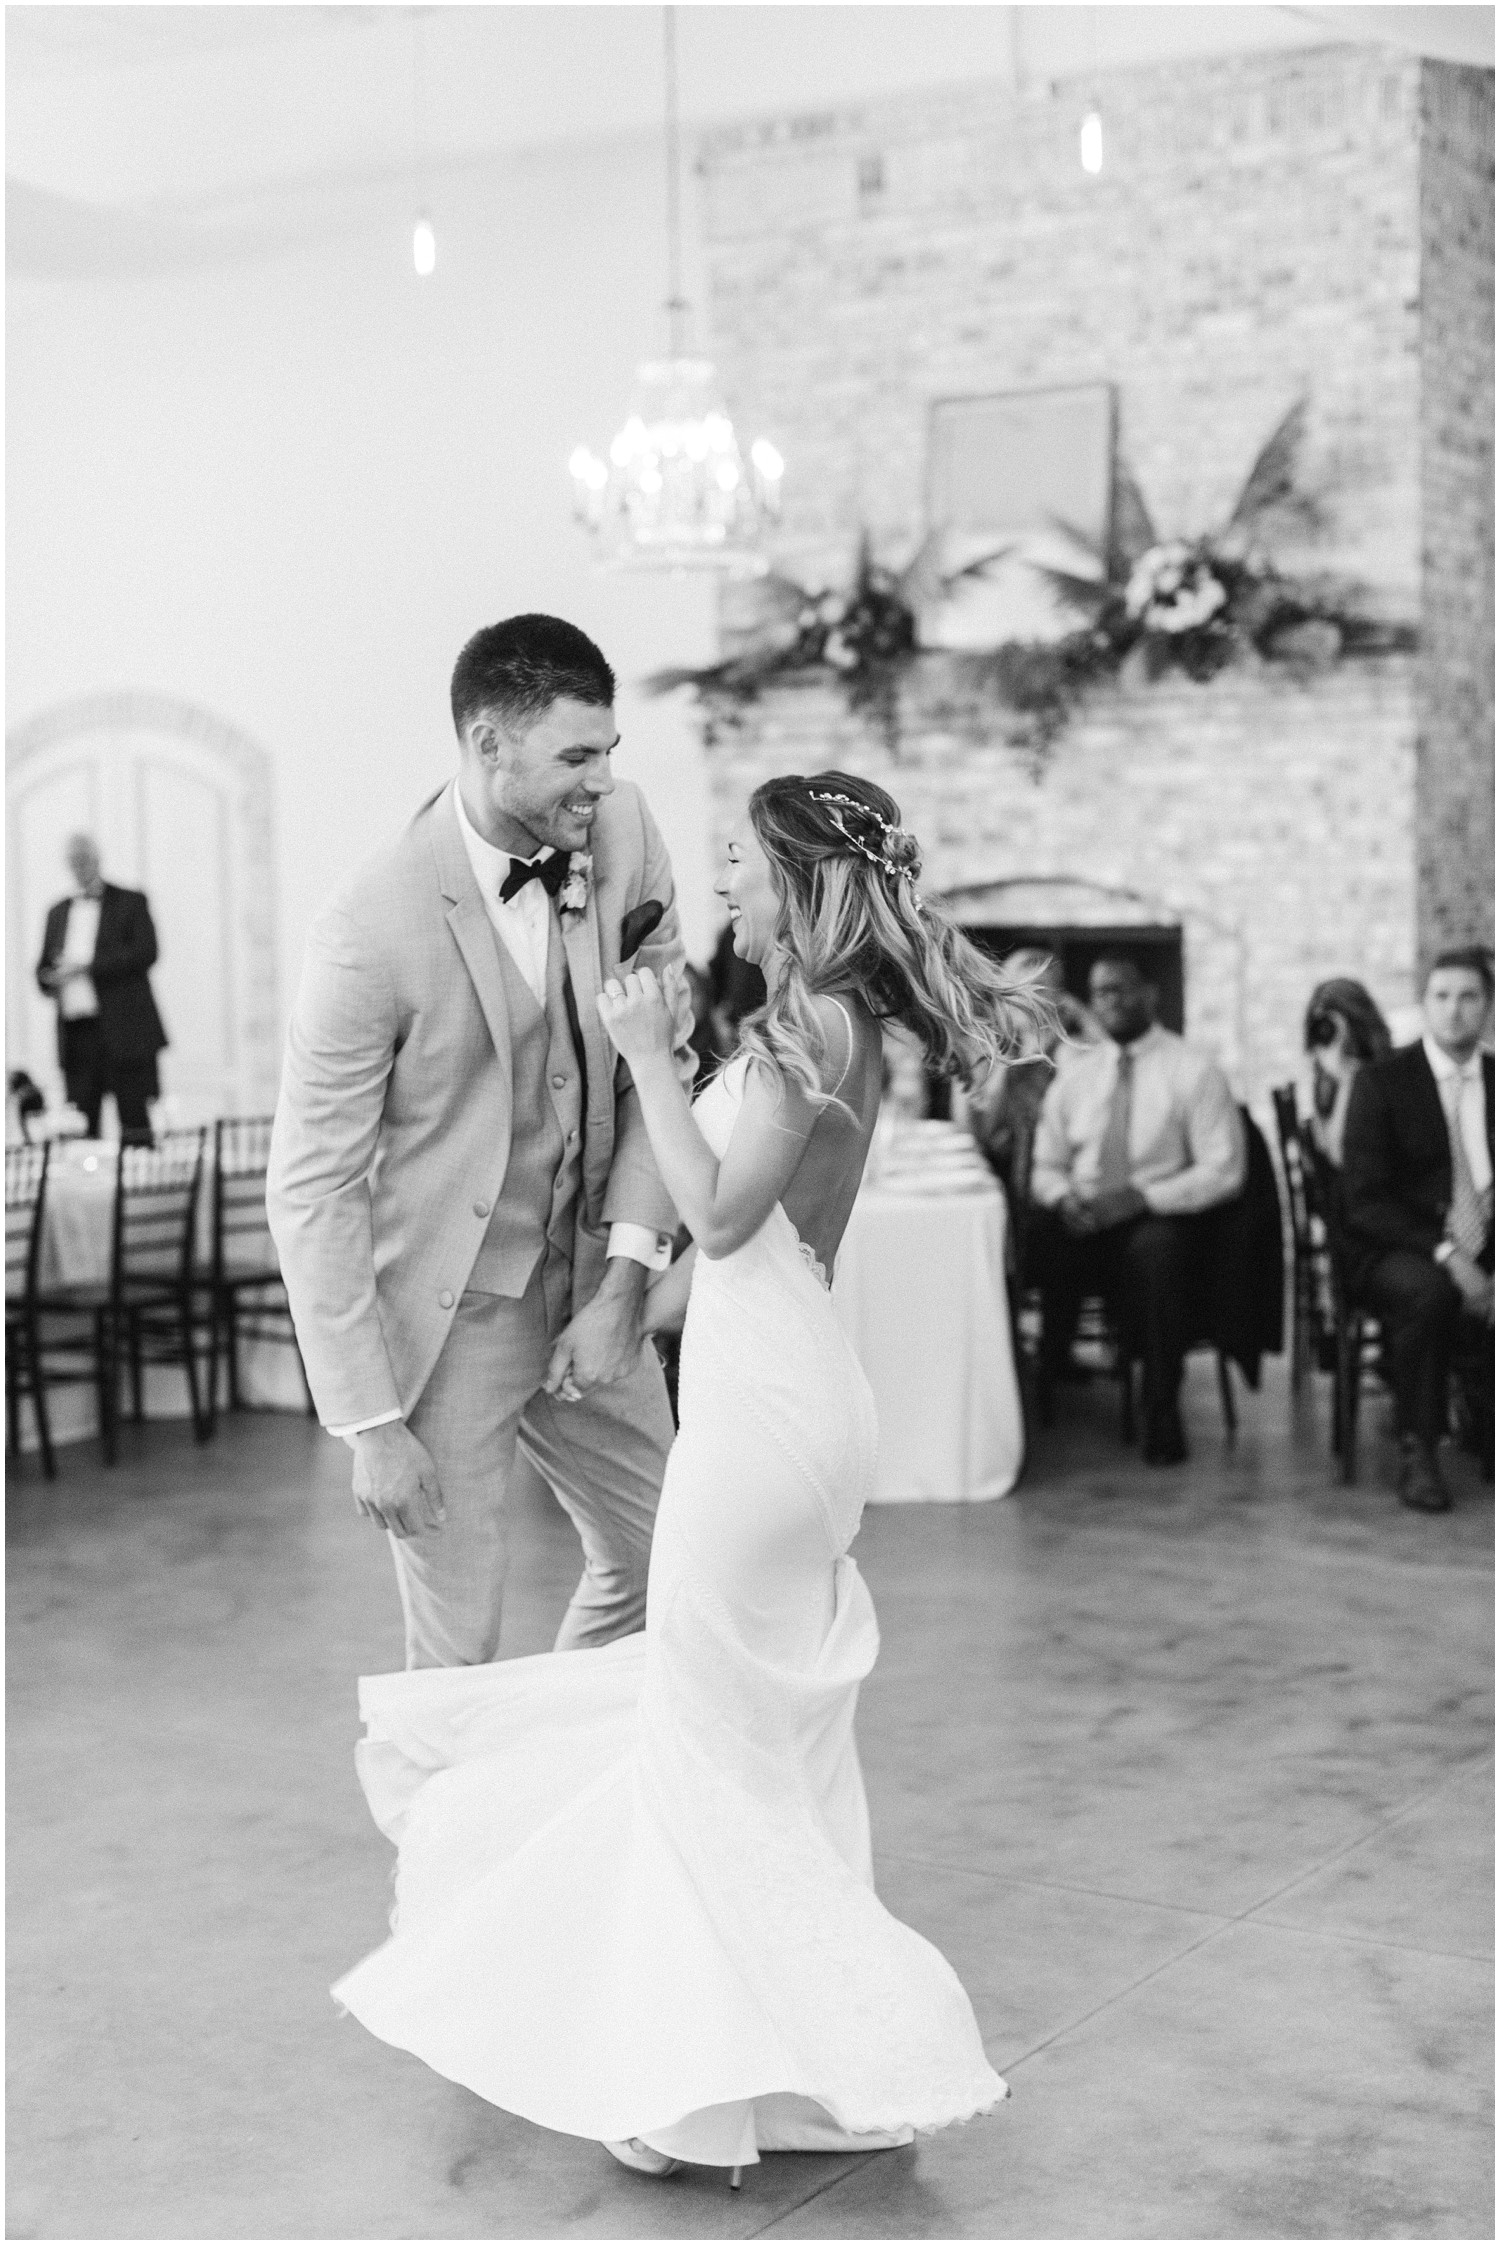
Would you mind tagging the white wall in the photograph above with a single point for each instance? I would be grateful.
(287, 489)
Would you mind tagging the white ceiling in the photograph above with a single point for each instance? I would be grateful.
(146, 113)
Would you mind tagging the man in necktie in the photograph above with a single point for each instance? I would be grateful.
(1137, 1138)
(1419, 1190)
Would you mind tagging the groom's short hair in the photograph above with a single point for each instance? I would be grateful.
(520, 667)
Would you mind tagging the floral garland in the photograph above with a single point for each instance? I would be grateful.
(1162, 604)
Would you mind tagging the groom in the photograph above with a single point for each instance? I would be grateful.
(460, 1187)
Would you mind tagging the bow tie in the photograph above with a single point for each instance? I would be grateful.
(550, 871)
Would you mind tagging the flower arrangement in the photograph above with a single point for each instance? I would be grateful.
(1159, 604)
(573, 896)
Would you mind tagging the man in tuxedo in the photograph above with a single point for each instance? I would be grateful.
(1136, 1140)
(95, 958)
(1419, 1210)
(461, 1187)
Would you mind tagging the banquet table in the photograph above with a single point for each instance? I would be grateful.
(75, 1252)
(920, 1291)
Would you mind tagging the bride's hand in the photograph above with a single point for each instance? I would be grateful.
(640, 1013)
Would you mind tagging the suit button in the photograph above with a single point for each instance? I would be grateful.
(481, 1208)
(559, 1083)
(445, 1300)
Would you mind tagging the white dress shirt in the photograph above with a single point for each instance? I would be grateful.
(78, 999)
(524, 923)
(1187, 1143)
(1463, 1087)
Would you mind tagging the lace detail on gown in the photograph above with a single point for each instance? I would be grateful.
(635, 1893)
(815, 1266)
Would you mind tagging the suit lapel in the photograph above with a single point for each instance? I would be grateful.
(471, 928)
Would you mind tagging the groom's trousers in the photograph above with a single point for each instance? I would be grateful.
(603, 1458)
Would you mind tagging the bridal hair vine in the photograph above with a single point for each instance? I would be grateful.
(897, 851)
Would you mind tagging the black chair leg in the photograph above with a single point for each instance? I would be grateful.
(13, 1343)
(1349, 1369)
(39, 1399)
(106, 1342)
(1226, 1398)
(202, 1427)
(137, 1383)
(214, 1311)
(232, 1350)
(1127, 1399)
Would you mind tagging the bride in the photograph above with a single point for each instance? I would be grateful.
(634, 1894)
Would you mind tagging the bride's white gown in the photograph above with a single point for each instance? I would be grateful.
(634, 1894)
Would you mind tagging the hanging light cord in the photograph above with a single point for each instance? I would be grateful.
(676, 302)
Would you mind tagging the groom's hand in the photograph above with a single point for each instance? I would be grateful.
(395, 1480)
(603, 1342)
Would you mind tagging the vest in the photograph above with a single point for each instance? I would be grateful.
(538, 1198)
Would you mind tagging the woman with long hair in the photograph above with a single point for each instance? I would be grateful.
(1342, 1032)
(634, 1897)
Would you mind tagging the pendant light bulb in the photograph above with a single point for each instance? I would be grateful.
(1091, 143)
(424, 248)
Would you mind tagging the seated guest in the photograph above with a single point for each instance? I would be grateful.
(1343, 1032)
(1136, 1139)
(1419, 1208)
(904, 1090)
(1001, 1109)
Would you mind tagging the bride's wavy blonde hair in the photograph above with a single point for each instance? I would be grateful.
(846, 870)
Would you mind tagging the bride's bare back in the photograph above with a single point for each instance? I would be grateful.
(820, 1197)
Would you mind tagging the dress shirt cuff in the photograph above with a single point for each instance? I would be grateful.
(363, 1426)
(1047, 1188)
(641, 1244)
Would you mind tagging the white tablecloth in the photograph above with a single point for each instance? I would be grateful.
(75, 1252)
(920, 1290)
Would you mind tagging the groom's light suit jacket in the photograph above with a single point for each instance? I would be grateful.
(398, 1107)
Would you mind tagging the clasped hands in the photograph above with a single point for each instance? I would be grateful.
(395, 1480)
(1103, 1212)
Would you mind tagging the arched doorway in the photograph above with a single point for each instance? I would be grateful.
(180, 803)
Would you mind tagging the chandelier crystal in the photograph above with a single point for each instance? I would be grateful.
(676, 492)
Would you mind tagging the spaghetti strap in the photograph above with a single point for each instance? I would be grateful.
(849, 1062)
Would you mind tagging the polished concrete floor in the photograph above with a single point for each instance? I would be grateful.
(1189, 1773)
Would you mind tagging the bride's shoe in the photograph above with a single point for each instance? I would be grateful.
(631, 2152)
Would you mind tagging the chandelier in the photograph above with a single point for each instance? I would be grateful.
(676, 492)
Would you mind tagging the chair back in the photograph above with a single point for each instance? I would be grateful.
(1292, 1146)
(156, 1209)
(25, 1199)
(242, 1242)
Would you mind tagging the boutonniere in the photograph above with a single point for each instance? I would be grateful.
(573, 896)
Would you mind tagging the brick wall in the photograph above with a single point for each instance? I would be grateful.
(1283, 862)
(1254, 233)
(1456, 759)
(1265, 225)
